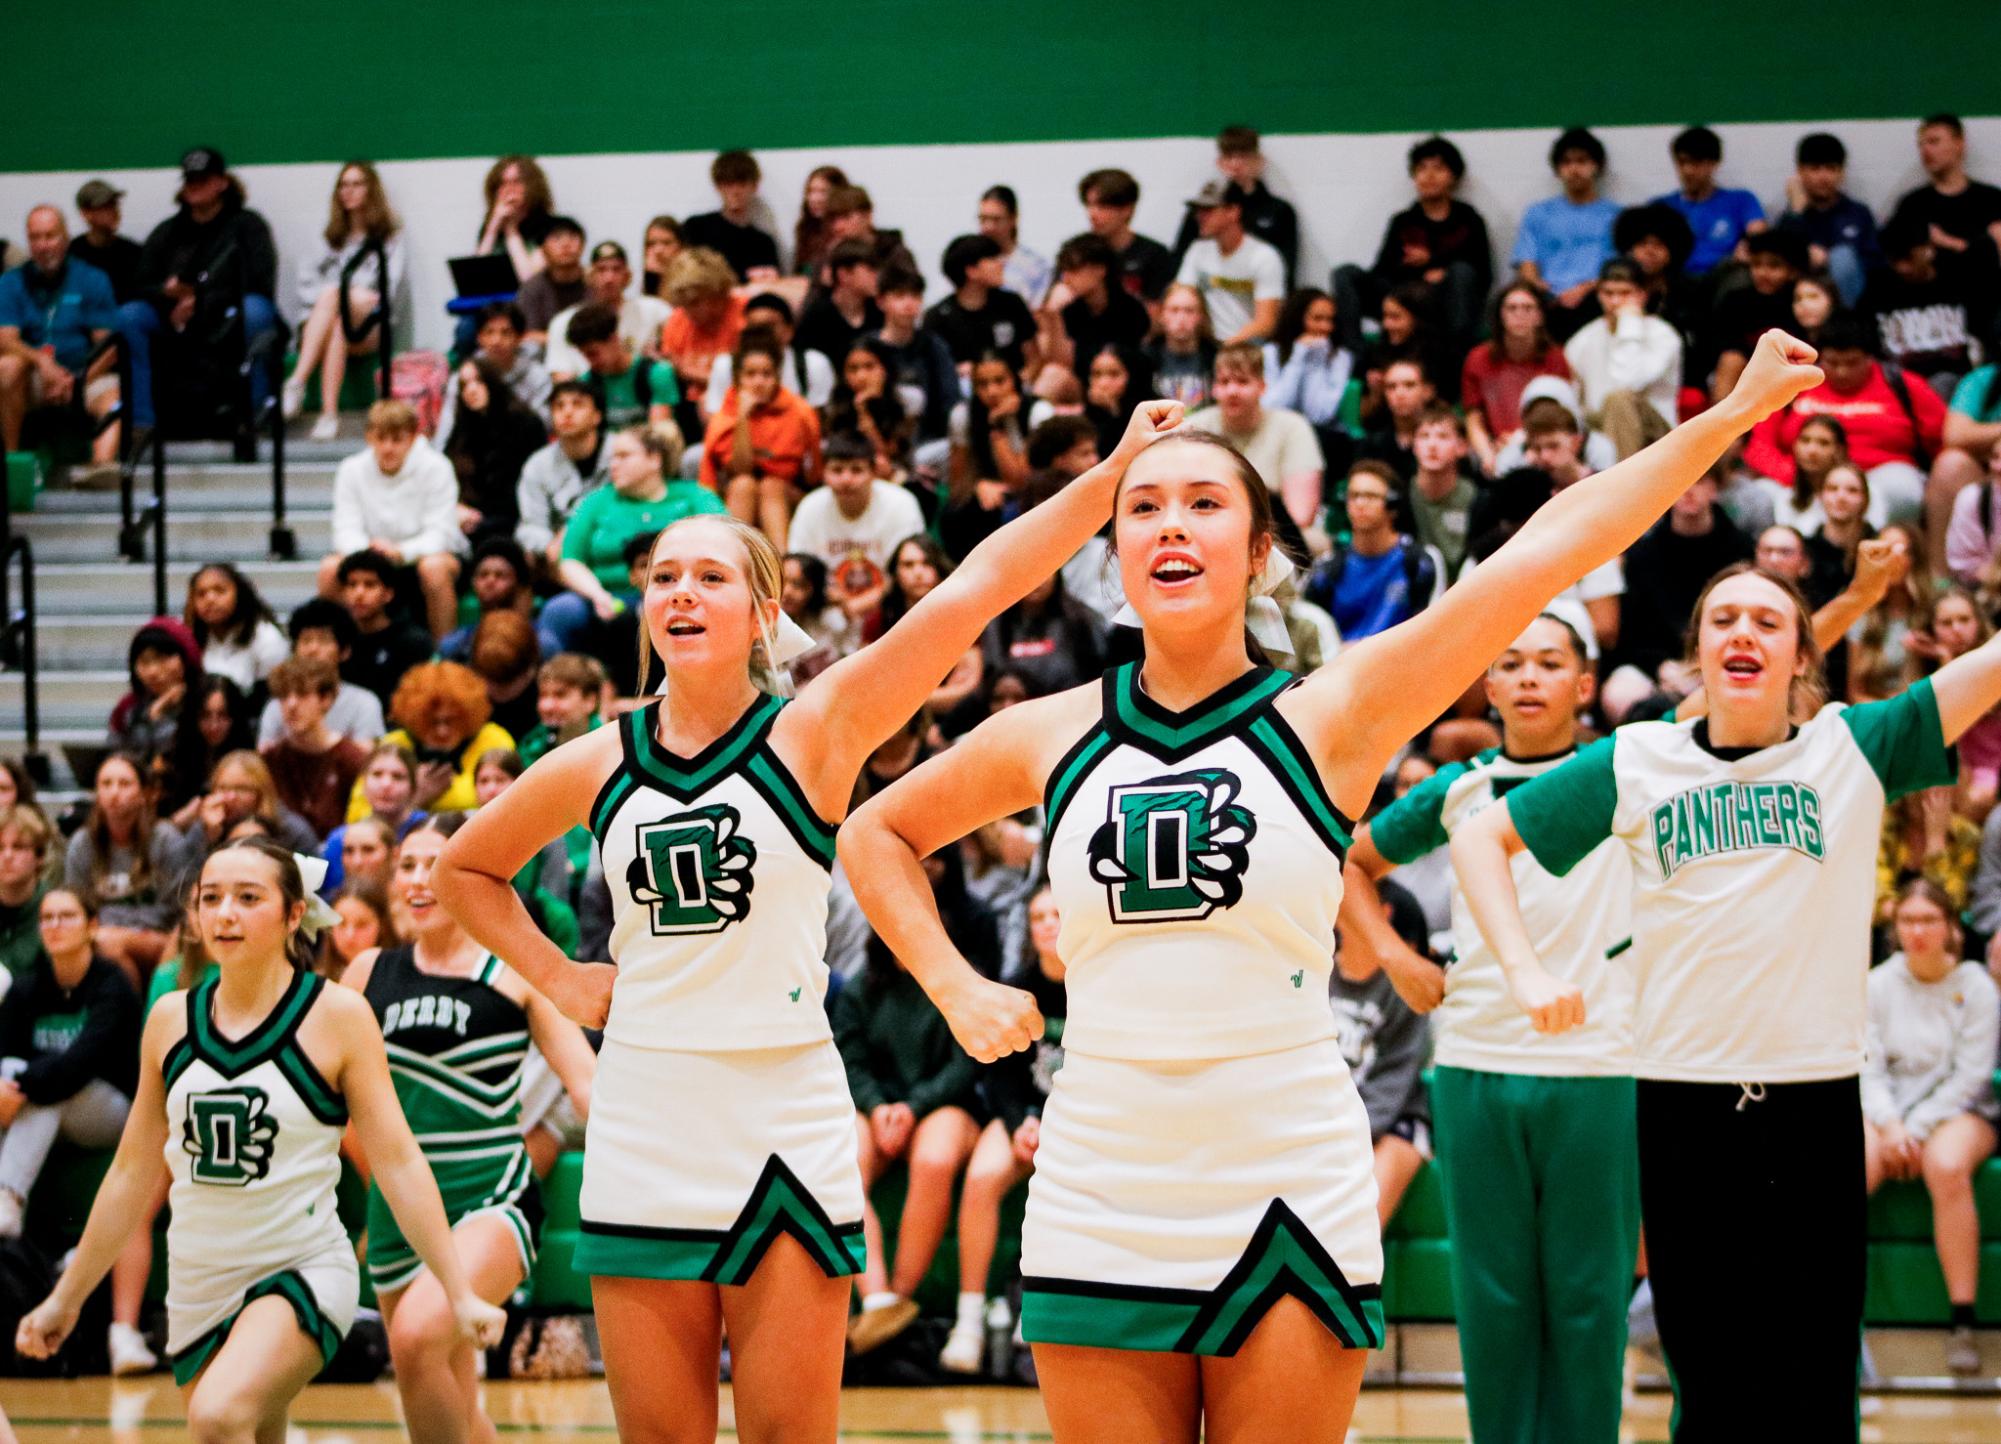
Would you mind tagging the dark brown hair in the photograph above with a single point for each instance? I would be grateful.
(300, 951)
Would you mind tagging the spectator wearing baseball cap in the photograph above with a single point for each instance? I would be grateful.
(607, 280)
(200, 265)
(101, 245)
(1241, 160)
(1241, 278)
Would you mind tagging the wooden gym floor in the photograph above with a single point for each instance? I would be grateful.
(148, 1411)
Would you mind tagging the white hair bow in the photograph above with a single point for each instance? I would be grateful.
(320, 914)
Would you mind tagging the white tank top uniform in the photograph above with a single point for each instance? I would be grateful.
(253, 1146)
(1754, 879)
(1582, 924)
(1204, 1152)
(721, 1116)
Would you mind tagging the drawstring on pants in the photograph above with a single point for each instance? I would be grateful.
(1753, 1093)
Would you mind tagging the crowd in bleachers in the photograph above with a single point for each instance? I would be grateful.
(479, 602)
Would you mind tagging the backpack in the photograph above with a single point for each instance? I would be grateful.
(1419, 575)
(1900, 387)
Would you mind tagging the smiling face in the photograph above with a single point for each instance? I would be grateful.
(240, 908)
(1748, 642)
(1187, 539)
(1538, 685)
(410, 886)
(700, 606)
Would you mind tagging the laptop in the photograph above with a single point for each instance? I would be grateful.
(491, 275)
(84, 759)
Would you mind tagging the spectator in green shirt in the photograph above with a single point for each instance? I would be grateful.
(639, 500)
(638, 390)
(570, 690)
(25, 839)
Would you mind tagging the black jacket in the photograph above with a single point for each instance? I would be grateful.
(225, 257)
(70, 1037)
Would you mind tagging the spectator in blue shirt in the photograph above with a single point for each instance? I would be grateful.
(1377, 575)
(53, 311)
(1565, 239)
(1839, 230)
(1720, 218)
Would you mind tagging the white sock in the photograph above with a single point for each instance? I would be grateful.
(971, 1307)
(872, 1302)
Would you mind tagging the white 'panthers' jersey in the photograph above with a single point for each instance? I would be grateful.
(719, 873)
(1754, 879)
(1196, 858)
(253, 1141)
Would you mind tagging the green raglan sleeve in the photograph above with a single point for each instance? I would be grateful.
(1568, 811)
(1414, 824)
(1904, 740)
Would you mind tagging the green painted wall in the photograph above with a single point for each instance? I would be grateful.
(280, 80)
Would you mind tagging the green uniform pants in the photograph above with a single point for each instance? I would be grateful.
(1542, 1199)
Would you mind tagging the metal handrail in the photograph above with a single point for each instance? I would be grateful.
(355, 332)
(17, 640)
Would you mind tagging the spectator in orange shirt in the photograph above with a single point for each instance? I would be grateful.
(762, 448)
(707, 317)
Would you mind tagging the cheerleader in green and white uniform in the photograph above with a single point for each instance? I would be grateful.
(246, 1085)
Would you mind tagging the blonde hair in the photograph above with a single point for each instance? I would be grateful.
(392, 418)
(764, 569)
(697, 274)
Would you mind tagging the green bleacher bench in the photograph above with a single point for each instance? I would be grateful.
(24, 480)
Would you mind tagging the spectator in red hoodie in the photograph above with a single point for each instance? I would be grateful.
(1895, 423)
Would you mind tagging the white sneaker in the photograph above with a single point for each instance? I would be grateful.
(327, 428)
(965, 1348)
(293, 397)
(11, 1213)
(129, 1354)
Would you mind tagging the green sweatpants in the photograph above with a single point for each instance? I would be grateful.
(1542, 1197)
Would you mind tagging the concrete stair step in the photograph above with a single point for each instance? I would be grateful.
(209, 489)
(106, 587)
(68, 698)
(192, 536)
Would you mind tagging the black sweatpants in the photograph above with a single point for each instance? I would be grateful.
(1756, 1231)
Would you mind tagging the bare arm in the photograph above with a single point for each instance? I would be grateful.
(563, 1043)
(1961, 431)
(1365, 925)
(1264, 321)
(995, 771)
(475, 872)
(1483, 852)
(123, 1198)
(858, 703)
(1968, 688)
(397, 1164)
(1301, 492)
(1377, 694)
